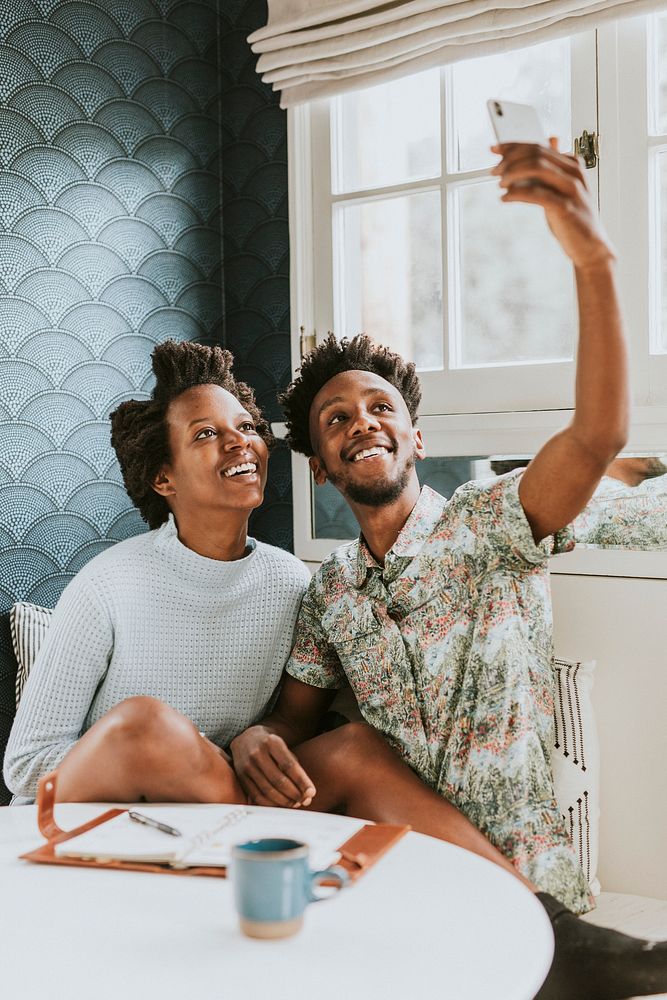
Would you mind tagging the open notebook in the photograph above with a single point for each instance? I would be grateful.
(207, 835)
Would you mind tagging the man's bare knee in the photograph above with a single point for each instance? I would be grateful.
(359, 740)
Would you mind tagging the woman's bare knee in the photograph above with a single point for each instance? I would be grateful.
(144, 749)
(144, 721)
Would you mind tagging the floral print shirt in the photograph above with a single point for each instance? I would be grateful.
(619, 516)
(448, 649)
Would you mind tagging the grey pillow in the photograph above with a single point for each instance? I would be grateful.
(28, 624)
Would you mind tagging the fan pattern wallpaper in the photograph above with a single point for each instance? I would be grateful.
(134, 132)
(256, 244)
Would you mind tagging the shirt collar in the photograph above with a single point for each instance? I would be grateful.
(422, 520)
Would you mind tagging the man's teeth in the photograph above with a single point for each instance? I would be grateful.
(238, 469)
(369, 452)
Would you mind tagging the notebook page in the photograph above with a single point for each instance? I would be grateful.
(121, 838)
(322, 832)
(208, 834)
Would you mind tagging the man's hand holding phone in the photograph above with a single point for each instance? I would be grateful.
(533, 171)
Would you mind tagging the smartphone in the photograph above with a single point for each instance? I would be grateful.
(516, 122)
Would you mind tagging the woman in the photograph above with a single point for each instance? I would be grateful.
(191, 621)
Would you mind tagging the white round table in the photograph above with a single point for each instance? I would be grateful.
(428, 920)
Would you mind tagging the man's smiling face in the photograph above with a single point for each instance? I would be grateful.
(363, 438)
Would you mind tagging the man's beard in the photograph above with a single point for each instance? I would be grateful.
(374, 493)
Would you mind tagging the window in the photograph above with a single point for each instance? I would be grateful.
(398, 230)
(419, 250)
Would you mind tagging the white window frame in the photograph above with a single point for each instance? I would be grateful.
(484, 388)
(621, 118)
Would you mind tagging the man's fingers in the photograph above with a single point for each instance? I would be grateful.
(509, 148)
(514, 153)
(267, 791)
(289, 766)
(278, 780)
(541, 161)
(547, 177)
(255, 796)
(276, 775)
(535, 194)
(248, 787)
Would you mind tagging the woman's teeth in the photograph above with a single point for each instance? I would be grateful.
(236, 470)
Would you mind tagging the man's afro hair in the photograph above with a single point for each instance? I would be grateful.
(331, 358)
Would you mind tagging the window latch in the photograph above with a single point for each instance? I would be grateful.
(587, 146)
(307, 343)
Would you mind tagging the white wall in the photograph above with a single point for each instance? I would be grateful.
(622, 623)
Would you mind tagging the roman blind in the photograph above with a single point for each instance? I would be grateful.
(317, 48)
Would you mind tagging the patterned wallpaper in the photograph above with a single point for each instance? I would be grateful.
(256, 244)
(111, 225)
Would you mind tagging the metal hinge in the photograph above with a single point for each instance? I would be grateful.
(588, 147)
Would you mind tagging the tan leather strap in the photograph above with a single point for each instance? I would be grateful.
(46, 799)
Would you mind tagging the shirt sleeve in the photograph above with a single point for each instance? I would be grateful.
(624, 517)
(313, 659)
(61, 686)
(502, 534)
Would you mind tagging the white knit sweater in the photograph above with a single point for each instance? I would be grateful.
(151, 617)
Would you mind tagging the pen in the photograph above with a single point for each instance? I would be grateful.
(148, 821)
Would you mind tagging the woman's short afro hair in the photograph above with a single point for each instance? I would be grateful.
(139, 428)
(331, 358)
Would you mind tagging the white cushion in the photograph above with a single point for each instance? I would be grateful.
(28, 624)
(576, 762)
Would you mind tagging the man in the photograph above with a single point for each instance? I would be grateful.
(439, 615)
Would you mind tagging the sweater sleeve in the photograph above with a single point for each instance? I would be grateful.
(68, 669)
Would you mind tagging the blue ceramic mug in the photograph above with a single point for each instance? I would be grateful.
(273, 885)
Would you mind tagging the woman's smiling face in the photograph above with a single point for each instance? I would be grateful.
(218, 460)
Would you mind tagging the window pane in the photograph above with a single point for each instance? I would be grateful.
(516, 285)
(386, 135)
(334, 519)
(659, 63)
(388, 274)
(539, 75)
(659, 345)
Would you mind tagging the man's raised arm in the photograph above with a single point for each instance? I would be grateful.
(561, 479)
